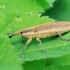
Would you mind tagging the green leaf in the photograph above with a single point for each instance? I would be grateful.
(10, 67)
(60, 10)
(22, 6)
(55, 47)
(67, 67)
(64, 60)
(33, 51)
(35, 65)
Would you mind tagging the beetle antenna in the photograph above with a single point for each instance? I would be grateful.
(11, 28)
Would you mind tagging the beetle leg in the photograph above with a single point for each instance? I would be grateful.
(63, 37)
(28, 41)
(41, 45)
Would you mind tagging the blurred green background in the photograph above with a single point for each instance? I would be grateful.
(22, 14)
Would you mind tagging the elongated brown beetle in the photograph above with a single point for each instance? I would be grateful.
(43, 30)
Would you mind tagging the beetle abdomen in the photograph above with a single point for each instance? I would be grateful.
(45, 30)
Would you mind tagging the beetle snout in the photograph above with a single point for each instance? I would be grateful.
(10, 36)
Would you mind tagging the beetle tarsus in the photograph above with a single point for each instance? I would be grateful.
(68, 40)
(45, 51)
(22, 56)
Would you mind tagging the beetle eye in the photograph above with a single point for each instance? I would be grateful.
(21, 32)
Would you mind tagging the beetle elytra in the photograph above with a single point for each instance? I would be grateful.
(43, 30)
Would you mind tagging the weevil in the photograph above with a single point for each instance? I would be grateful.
(42, 31)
